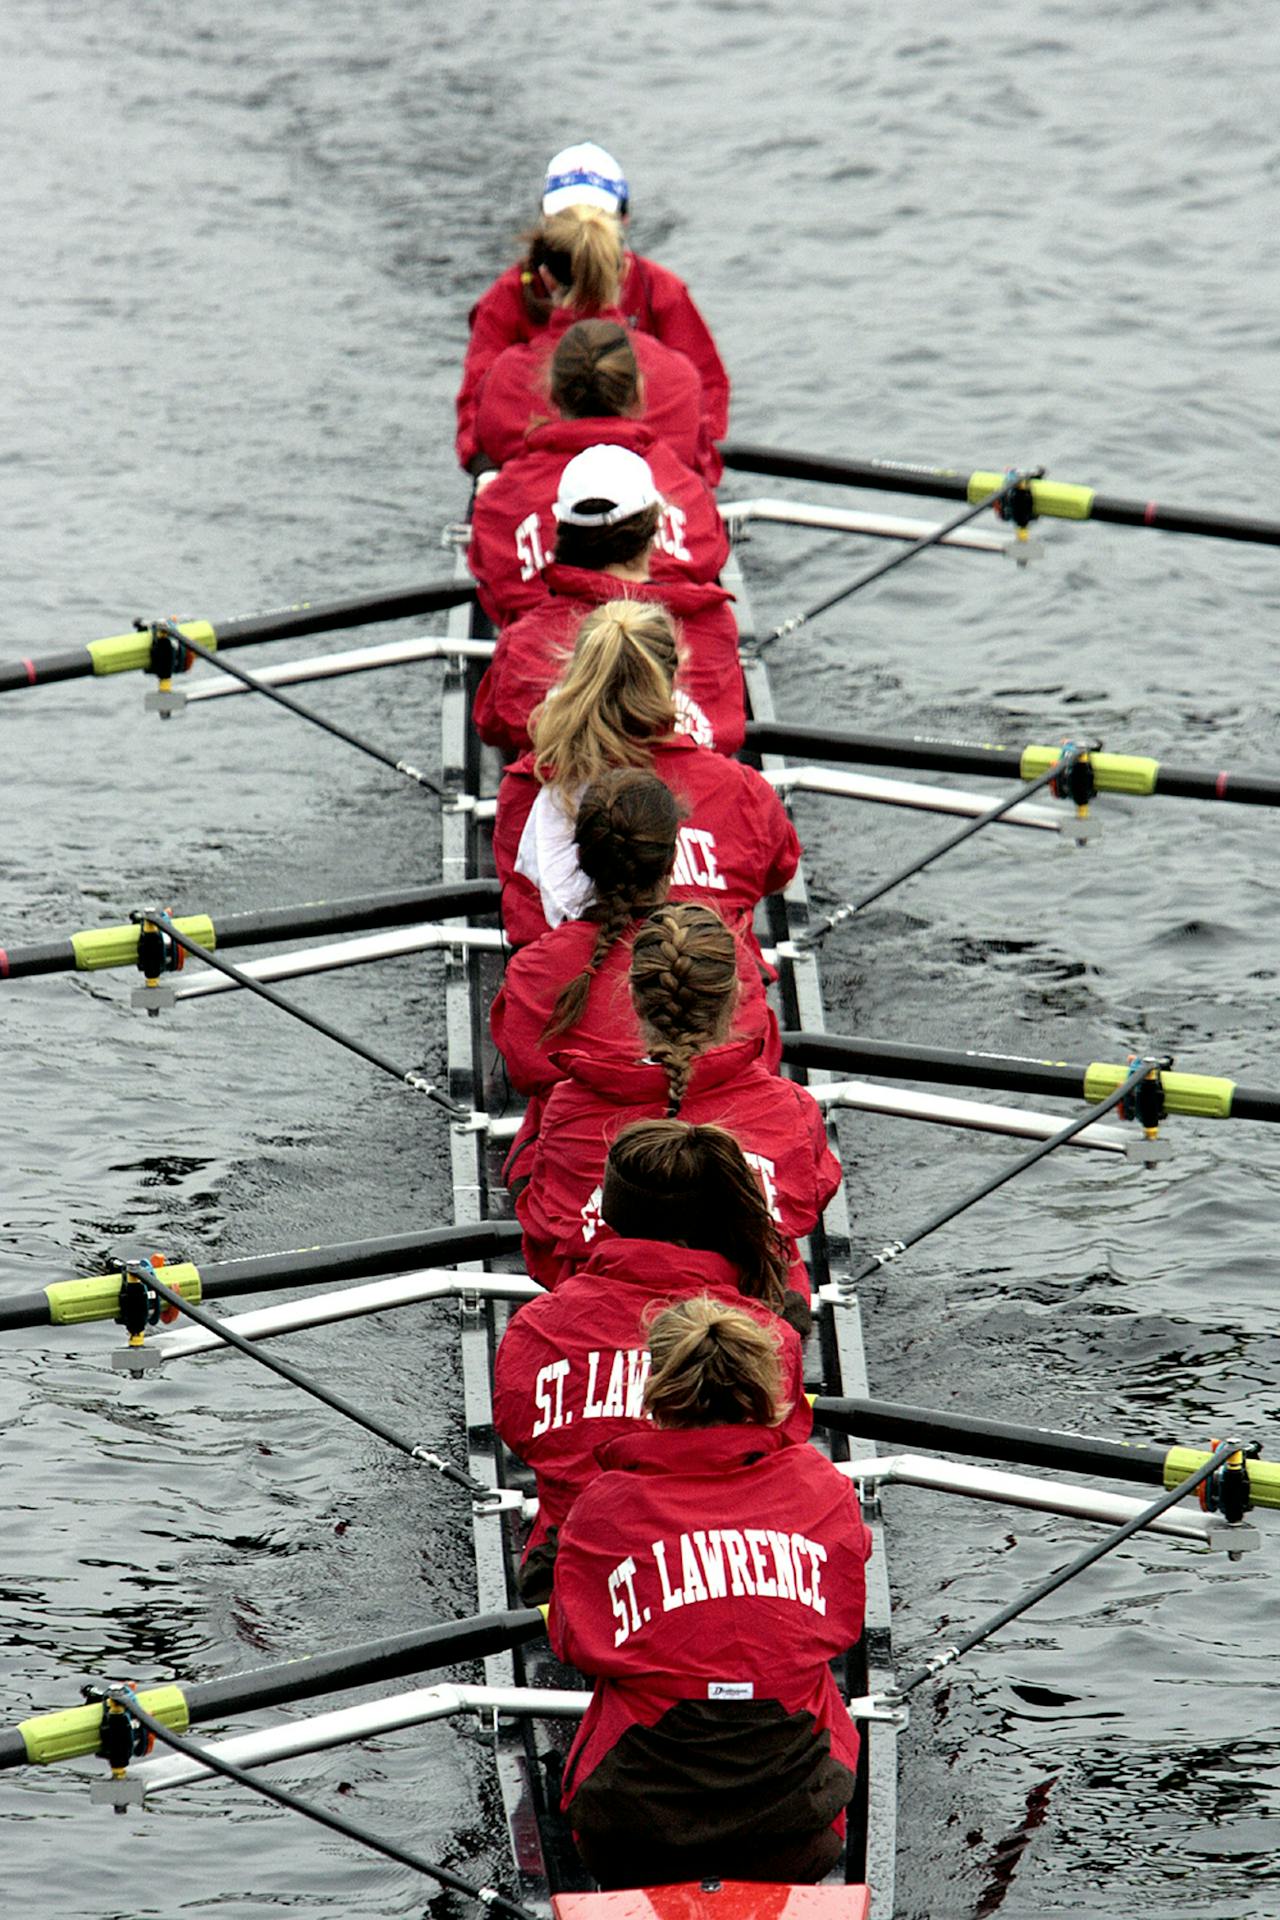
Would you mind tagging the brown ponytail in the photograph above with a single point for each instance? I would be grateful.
(614, 698)
(713, 1365)
(626, 841)
(666, 1180)
(594, 372)
(684, 983)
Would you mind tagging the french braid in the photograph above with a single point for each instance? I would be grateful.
(684, 982)
(626, 839)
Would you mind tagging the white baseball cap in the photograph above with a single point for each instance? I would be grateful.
(612, 474)
(584, 176)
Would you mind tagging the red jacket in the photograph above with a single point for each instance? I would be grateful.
(513, 530)
(652, 301)
(736, 843)
(532, 983)
(515, 395)
(778, 1125)
(531, 653)
(571, 1367)
(708, 1577)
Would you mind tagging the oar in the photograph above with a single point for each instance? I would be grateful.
(131, 652)
(1060, 499)
(98, 947)
(1203, 1096)
(70, 1303)
(1140, 1461)
(76, 1731)
(1130, 773)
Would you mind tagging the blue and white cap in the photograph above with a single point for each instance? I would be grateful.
(584, 176)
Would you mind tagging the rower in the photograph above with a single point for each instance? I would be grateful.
(651, 301)
(616, 704)
(569, 989)
(596, 391)
(684, 988)
(684, 1216)
(609, 513)
(705, 1580)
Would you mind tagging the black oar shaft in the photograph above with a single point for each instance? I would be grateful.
(1074, 502)
(1116, 773)
(896, 1421)
(65, 1734)
(128, 651)
(75, 1302)
(118, 946)
(1205, 1096)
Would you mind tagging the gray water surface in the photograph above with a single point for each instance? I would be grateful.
(239, 249)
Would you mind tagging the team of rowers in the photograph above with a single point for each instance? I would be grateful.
(700, 1560)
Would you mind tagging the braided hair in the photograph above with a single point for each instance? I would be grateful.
(684, 983)
(667, 1180)
(626, 841)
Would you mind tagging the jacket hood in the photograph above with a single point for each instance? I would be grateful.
(574, 436)
(686, 1450)
(634, 1083)
(679, 595)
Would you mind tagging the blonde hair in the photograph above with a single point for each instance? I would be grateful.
(684, 986)
(582, 250)
(614, 699)
(713, 1366)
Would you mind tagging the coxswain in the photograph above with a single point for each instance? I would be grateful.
(616, 706)
(706, 1580)
(650, 300)
(571, 987)
(609, 512)
(684, 987)
(685, 1216)
(595, 390)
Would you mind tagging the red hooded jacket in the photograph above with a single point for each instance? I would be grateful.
(515, 395)
(531, 986)
(736, 843)
(706, 1579)
(777, 1123)
(571, 1367)
(513, 530)
(652, 301)
(531, 653)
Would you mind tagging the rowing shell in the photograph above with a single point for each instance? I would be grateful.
(529, 1749)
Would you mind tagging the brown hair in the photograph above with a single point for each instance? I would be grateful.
(626, 841)
(594, 372)
(713, 1365)
(601, 547)
(581, 248)
(666, 1180)
(684, 984)
(614, 698)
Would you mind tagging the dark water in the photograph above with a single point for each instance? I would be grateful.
(239, 250)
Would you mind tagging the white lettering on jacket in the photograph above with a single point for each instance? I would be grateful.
(745, 1562)
(529, 547)
(590, 1214)
(554, 1373)
(672, 522)
(696, 860)
(767, 1170)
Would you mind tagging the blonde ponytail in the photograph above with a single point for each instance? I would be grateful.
(713, 1366)
(614, 699)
